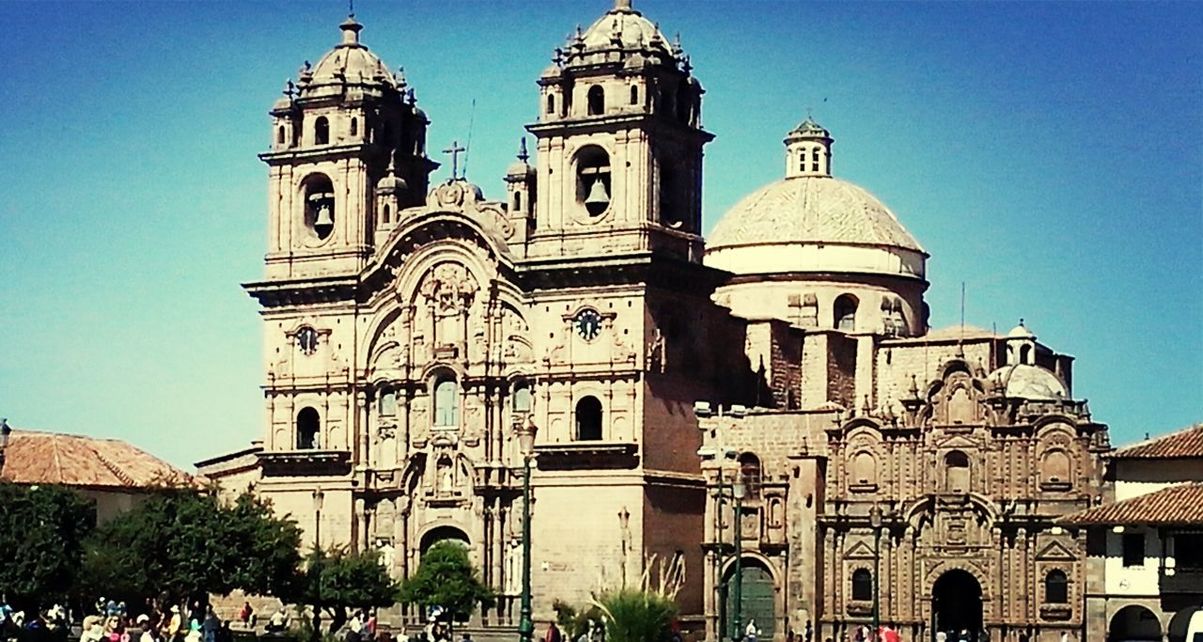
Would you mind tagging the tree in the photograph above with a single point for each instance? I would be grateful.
(340, 580)
(42, 533)
(184, 543)
(447, 578)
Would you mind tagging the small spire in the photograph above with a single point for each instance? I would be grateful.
(522, 155)
(622, 5)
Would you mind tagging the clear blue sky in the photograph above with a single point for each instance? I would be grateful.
(1048, 155)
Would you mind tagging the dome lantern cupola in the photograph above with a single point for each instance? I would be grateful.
(808, 150)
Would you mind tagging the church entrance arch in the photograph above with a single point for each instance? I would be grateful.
(1134, 623)
(443, 534)
(956, 600)
(759, 598)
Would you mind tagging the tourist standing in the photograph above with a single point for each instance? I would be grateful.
(210, 625)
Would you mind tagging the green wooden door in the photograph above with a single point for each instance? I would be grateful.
(759, 602)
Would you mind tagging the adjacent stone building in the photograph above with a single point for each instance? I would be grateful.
(112, 473)
(1145, 545)
(408, 329)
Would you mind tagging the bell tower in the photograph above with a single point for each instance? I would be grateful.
(619, 144)
(348, 151)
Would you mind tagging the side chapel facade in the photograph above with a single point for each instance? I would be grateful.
(409, 328)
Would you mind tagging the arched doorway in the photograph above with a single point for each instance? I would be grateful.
(1134, 622)
(759, 599)
(956, 600)
(443, 533)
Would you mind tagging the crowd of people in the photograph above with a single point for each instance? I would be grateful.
(112, 621)
(50, 625)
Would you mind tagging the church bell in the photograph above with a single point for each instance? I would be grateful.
(324, 220)
(597, 195)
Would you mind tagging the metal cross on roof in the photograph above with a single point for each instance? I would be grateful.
(454, 150)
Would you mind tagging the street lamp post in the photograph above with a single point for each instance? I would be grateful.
(319, 500)
(525, 431)
(738, 491)
(5, 431)
(719, 593)
(875, 520)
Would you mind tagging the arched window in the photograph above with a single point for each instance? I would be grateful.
(670, 210)
(388, 214)
(802, 161)
(354, 126)
(280, 135)
(446, 403)
(845, 313)
(634, 94)
(308, 426)
(862, 584)
(589, 419)
(956, 472)
(321, 131)
(596, 100)
(1025, 354)
(1056, 587)
(684, 99)
(814, 159)
(551, 103)
(521, 401)
(517, 201)
(750, 474)
(388, 402)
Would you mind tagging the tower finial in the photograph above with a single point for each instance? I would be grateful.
(350, 28)
(622, 5)
(522, 155)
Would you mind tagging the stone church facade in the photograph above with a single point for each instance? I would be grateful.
(410, 328)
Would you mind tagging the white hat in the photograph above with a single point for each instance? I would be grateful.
(142, 618)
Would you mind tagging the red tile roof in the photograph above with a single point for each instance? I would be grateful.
(74, 460)
(1187, 442)
(1176, 505)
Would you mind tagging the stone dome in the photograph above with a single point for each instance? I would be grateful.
(622, 35)
(813, 222)
(1022, 381)
(350, 62)
(811, 209)
(625, 28)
